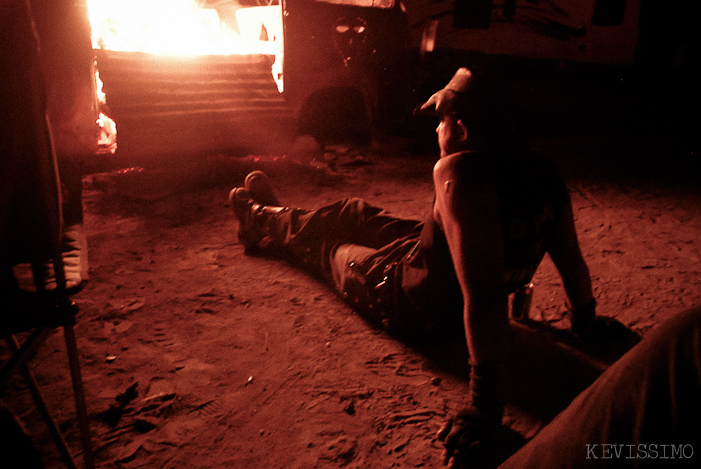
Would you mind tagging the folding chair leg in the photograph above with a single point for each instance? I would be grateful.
(79, 395)
(43, 409)
(21, 354)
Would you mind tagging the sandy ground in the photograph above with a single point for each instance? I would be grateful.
(197, 355)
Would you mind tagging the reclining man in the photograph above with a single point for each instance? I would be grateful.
(499, 208)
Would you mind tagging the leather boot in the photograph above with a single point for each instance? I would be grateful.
(260, 226)
(260, 189)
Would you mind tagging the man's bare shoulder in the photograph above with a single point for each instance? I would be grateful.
(471, 171)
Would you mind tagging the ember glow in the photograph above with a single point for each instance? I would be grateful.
(172, 27)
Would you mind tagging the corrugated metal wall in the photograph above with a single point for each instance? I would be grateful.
(188, 105)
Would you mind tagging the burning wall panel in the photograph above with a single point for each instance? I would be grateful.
(169, 104)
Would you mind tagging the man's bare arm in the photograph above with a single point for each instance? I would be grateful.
(567, 257)
(466, 209)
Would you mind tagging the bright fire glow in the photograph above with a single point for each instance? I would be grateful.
(173, 27)
(107, 141)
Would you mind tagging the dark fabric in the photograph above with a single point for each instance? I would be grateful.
(30, 198)
(71, 191)
(531, 200)
(646, 407)
(29, 211)
(352, 245)
(313, 235)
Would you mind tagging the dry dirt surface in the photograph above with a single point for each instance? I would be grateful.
(197, 355)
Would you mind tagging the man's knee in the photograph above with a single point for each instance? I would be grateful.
(345, 266)
(351, 282)
(353, 205)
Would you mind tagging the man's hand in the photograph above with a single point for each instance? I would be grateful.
(439, 103)
(602, 329)
(467, 437)
(587, 325)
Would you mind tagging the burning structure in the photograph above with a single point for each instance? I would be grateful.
(208, 75)
(188, 76)
(164, 299)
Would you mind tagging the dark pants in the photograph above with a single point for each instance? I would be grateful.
(644, 411)
(365, 254)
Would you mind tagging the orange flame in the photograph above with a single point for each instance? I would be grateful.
(107, 141)
(173, 27)
(185, 28)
